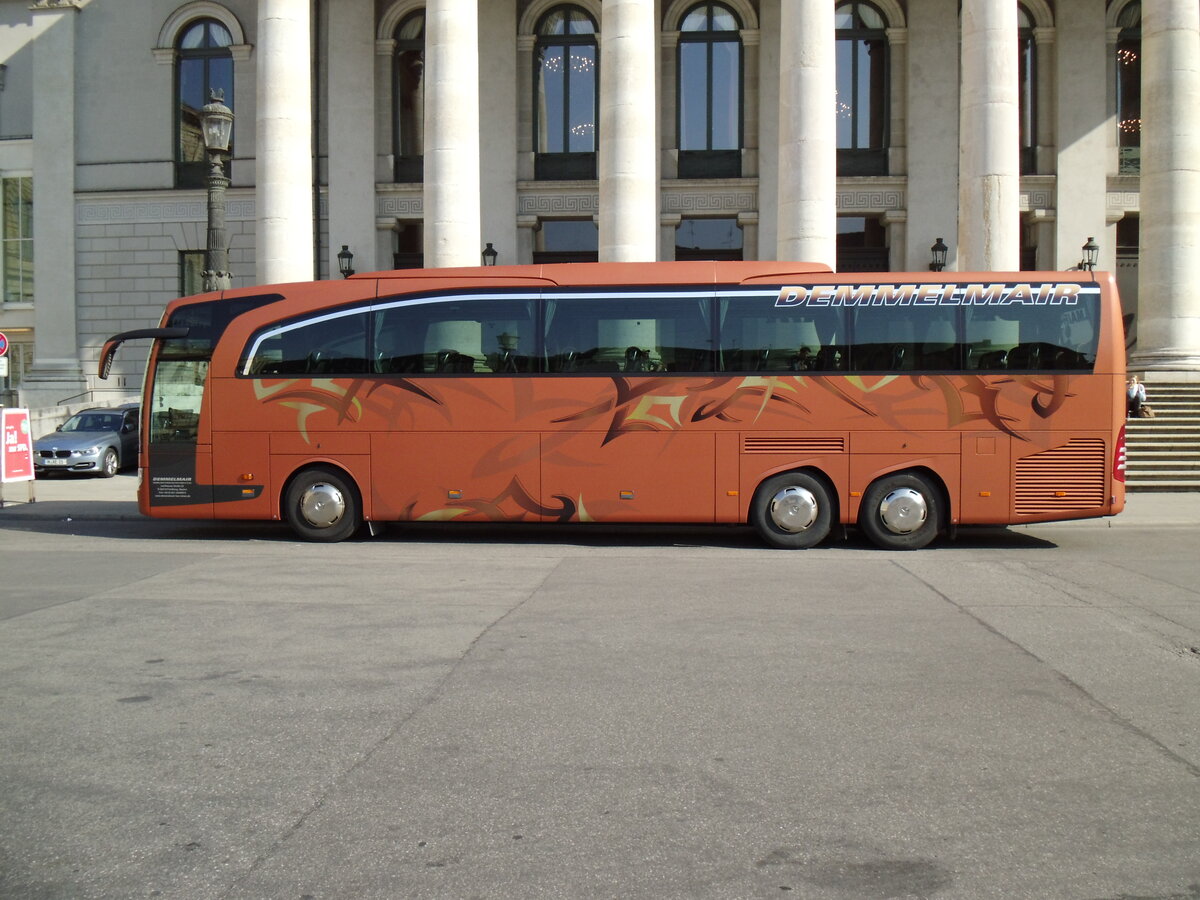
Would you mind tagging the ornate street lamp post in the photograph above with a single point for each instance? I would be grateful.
(216, 121)
(345, 261)
(938, 252)
(1091, 253)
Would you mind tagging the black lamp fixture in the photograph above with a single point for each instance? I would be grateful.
(939, 251)
(489, 254)
(1091, 253)
(345, 261)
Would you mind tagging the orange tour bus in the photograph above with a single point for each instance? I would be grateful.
(776, 394)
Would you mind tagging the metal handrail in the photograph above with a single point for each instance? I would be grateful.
(88, 394)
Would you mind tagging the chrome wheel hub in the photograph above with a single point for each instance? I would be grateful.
(794, 509)
(903, 511)
(322, 505)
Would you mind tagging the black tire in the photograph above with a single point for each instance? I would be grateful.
(901, 511)
(792, 511)
(109, 463)
(322, 505)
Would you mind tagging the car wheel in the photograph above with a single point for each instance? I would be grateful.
(109, 464)
(901, 512)
(792, 511)
(322, 505)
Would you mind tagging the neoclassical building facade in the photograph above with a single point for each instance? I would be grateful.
(415, 132)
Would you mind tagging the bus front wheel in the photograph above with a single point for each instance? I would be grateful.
(322, 505)
(792, 511)
(901, 512)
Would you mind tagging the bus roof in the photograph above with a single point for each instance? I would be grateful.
(382, 283)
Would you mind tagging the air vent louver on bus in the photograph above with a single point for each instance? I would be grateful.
(1067, 477)
(806, 446)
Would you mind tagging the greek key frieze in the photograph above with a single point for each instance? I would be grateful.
(393, 206)
(558, 204)
(870, 200)
(709, 201)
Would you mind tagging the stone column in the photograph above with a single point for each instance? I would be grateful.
(807, 134)
(56, 373)
(1168, 296)
(452, 223)
(897, 39)
(628, 152)
(932, 151)
(1081, 78)
(989, 226)
(896, 223)
(351, 130)
(1047, 61)
(284, 152)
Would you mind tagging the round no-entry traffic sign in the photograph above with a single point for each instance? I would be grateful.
(3, 344)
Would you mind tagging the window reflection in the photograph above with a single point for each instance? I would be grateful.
(409, 86)
(710, 93)
(862, 89)
(1129, 89)
(566, 94)
(204, 63)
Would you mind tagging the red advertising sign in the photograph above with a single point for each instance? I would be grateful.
(16, 453)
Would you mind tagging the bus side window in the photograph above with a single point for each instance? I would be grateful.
(990, 335)
(476, 337)
(940, 347)
(756, 336)
(628, 335)
(884, 340)
(333, 346)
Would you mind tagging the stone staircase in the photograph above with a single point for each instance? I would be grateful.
(1163, 453)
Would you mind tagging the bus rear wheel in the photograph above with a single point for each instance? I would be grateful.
(901, 511)
(792, 511)
(323, 505)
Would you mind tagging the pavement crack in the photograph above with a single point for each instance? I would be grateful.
(1110, 713)
(435, 693)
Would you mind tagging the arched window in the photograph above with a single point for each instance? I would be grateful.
(566, 94)
(203, 63)
(862, 89)
(710, 93)
(1129, 89)
(408, 89)
(1027, 91)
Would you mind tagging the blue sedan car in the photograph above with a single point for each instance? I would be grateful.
(101, 441)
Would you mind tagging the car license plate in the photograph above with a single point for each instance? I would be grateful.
(54, 462)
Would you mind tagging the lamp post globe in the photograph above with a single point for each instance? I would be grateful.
(216, 124)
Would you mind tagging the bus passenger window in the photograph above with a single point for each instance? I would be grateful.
(990, 335)
(459, 337)
(756, 336)
(628, 335)
(884, 339)
(327, 346)
(940, 348)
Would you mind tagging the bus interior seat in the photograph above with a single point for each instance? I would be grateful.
(1025, 356)
(829, 359)
(884, 358)
(454, 362)
(993, 359)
